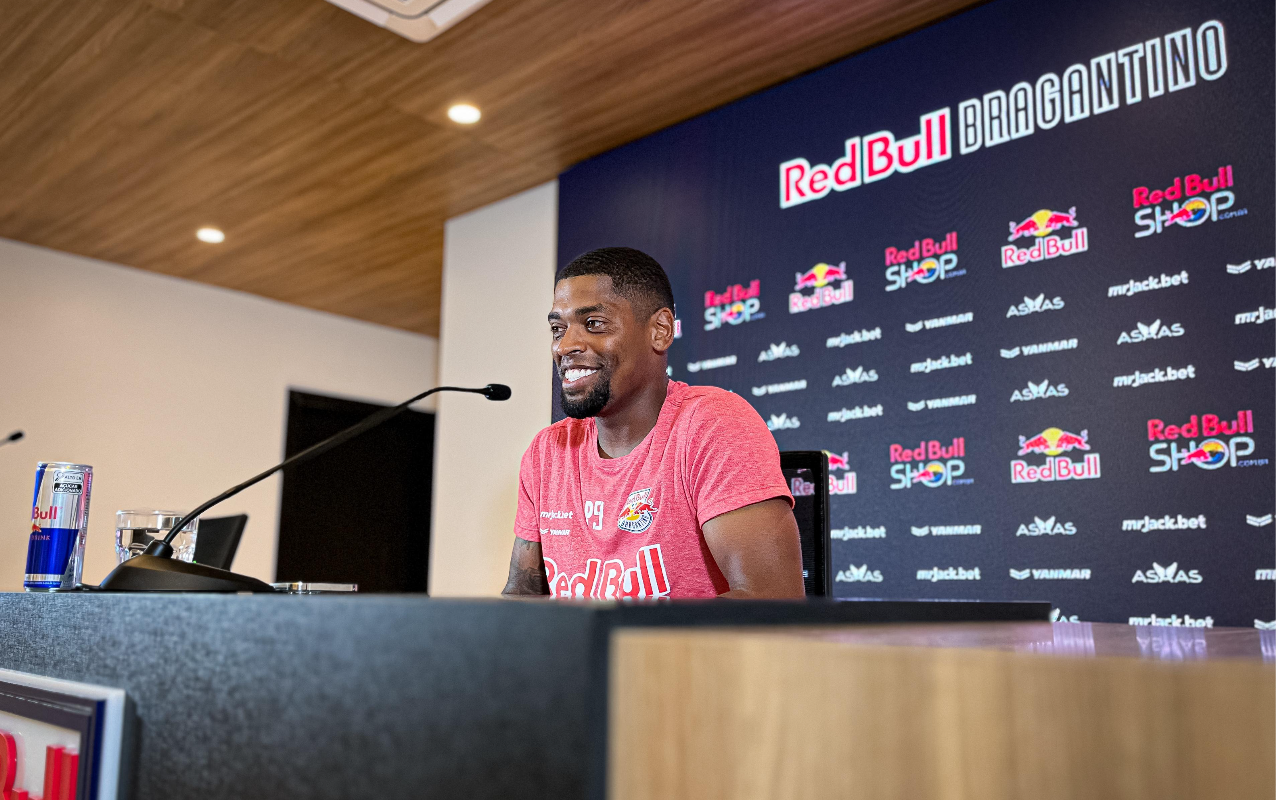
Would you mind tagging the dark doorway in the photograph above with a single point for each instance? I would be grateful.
(360, 513)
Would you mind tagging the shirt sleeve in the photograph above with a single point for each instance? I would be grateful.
(732, 459)
(527, 517)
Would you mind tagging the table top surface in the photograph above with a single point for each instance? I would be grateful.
(1071, 639)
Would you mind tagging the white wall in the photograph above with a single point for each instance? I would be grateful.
(498, 266)
(172, 390)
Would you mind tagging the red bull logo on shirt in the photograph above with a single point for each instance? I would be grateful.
(611, 580)
(1041, 225)
(821, 278)
(926, 261)
(1195, 210)
(1053, 442)
(736, 305)
(1212, 453)
(943, 464)
(638, 513)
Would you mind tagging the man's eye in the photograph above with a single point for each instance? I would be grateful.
(593, 324)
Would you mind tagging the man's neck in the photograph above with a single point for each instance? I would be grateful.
(620, 431)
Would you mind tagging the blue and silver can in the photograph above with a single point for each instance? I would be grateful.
(59, 526)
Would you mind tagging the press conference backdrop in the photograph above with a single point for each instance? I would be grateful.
(1014, 273)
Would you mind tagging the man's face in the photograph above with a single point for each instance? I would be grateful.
(602, 351)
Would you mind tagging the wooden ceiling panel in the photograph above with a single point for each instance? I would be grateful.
(320, 143)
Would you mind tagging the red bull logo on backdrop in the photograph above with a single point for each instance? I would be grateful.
(1225, 443)
(1054, 443)
(1041, 226)
(937, 464)
(831, 287)
(926, 261)
(840, 484)
(867, 159)
(1194, 210)
(736, 305)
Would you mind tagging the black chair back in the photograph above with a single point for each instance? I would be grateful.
(807, 472)
(218, 539)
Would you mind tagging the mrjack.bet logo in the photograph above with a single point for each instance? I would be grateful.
(1197, 209)
(937, 464)
(1225, 443)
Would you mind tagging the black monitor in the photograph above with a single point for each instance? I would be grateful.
(807, 472)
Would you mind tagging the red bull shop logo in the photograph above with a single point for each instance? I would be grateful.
(1195, 210)
(831, 285)
(1042, 226)
(736, 305)
(926, 261)
(943, 464)
(1226, 444)
(1053, 443)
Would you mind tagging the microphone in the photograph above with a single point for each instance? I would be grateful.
(16, 435)
(155, 569)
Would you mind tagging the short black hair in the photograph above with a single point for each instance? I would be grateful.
(636, 276)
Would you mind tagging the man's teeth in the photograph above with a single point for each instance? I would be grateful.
(573, 375)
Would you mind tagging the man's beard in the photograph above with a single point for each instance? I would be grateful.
(590, 404)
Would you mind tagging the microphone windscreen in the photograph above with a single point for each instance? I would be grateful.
(16, 435)
(497, 391)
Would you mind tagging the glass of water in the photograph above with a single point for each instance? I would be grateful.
(135, 529)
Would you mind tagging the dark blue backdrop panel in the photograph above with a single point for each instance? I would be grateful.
(1074, 400)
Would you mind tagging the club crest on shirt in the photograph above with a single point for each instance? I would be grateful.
(636, 516)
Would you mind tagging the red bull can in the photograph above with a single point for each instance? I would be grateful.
(59, 526)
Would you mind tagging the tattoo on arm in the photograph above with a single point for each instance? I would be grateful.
(527, 570)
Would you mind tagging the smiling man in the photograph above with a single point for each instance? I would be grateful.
(650, 488)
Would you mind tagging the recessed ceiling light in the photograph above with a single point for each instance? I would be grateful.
(210, 235)
(464, 113)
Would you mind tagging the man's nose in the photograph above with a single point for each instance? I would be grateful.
(571, 341)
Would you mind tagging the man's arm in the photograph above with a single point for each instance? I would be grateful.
(527, 570)
(758, 550)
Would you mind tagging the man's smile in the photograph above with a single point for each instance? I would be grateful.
(575, 374)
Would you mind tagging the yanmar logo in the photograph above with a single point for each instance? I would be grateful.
(1194, 211)
(937, 262)
(946, 530)
(1034, 305)
(1151, 331)
(610, 580)
(944, 464)
(1042, 225)
(942, 402)
(778, 351)
(1046, 527)
(820, 278)
(1213, 453)
(854, 376)
(1254, 263)
(1050, 574)
(711, 363)
(854, 574)
(1266, 362)
(939, 322)
(736, 305)
(866, 159)
(1037, 349)
(777, 388)
(1053, 443)
(1170, 574)
(1039, 391)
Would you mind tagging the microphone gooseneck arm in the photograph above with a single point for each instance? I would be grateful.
(164, 548)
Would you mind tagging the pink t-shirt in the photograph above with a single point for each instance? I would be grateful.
(631, 527)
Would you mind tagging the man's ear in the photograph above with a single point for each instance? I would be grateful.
(661, 328)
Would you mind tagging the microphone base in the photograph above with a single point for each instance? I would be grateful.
(145, 573)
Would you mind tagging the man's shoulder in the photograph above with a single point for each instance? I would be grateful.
(709, 403)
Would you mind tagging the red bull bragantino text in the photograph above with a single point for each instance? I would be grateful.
(1042, 224)
(821, 278)
(59, 526)
(866, 159)
(1212, 453)
(1052, 442)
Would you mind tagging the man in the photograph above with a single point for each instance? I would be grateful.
(650, 488)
